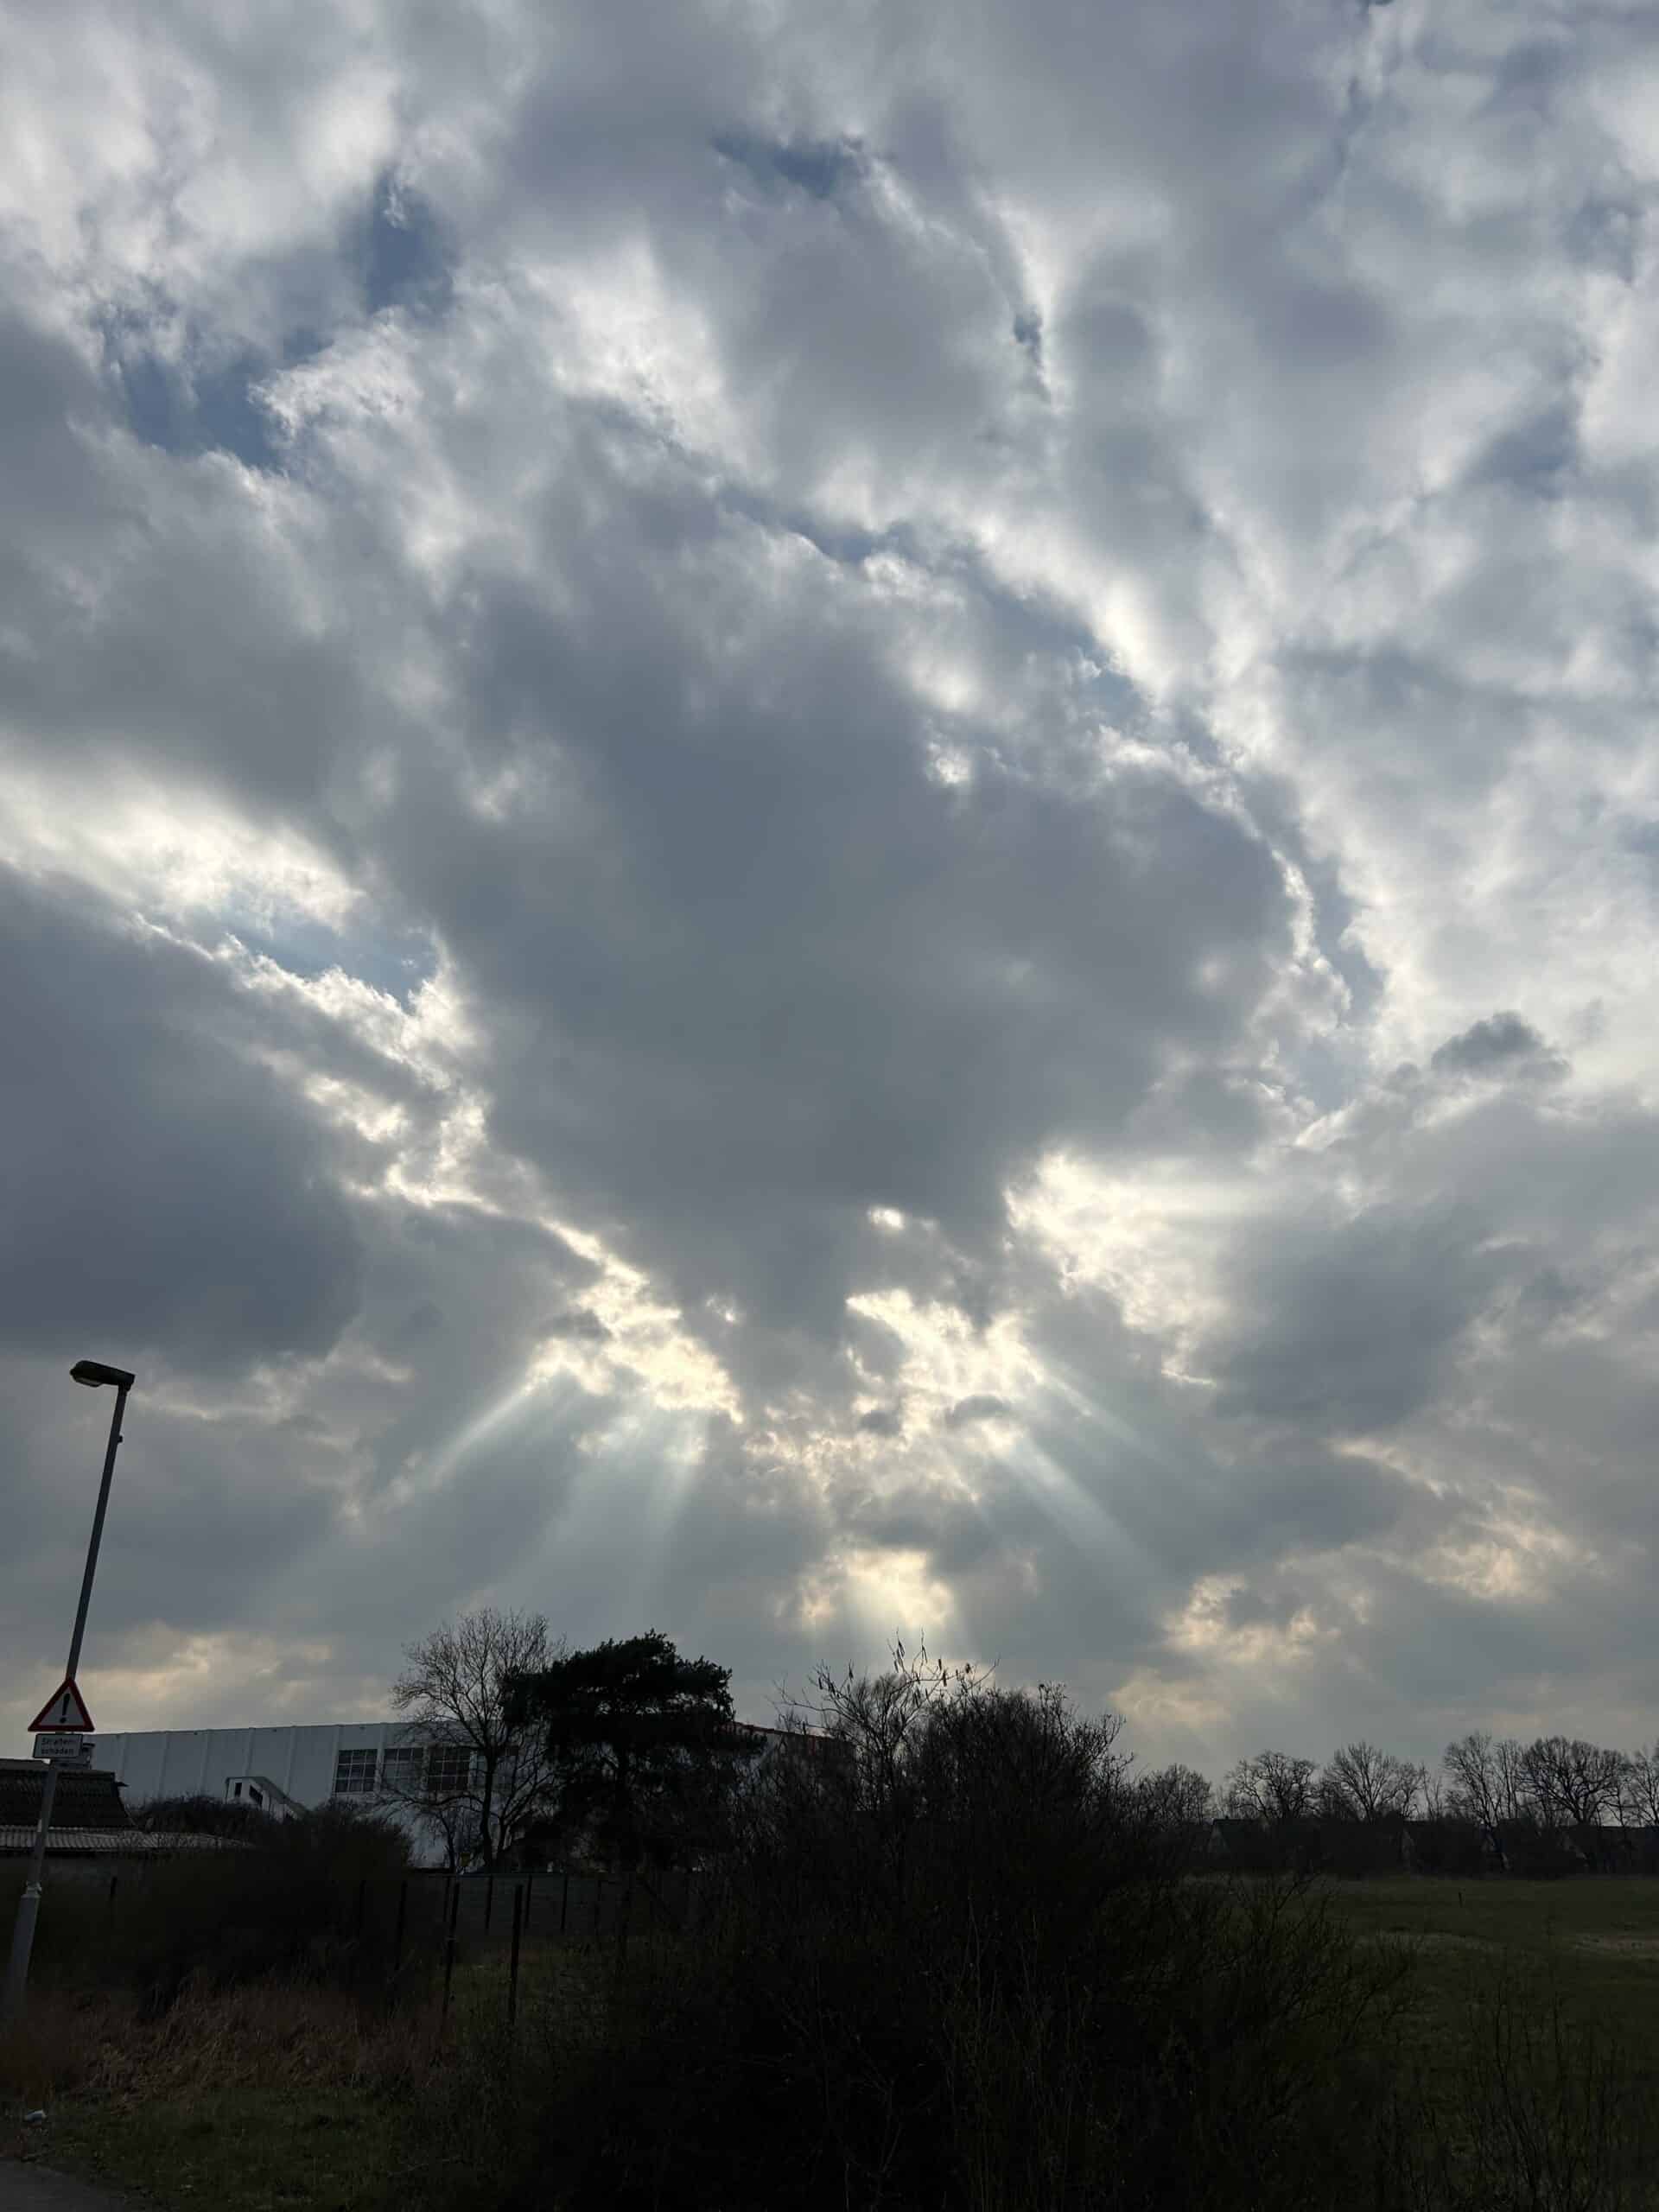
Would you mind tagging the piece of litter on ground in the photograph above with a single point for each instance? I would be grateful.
(29, 2118)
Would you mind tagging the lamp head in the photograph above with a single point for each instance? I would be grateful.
(91, 1372)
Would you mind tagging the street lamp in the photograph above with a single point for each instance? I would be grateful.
(94, 1373)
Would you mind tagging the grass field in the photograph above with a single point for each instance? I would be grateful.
(261, 2099)
(269, 2100)
(1597, 1940)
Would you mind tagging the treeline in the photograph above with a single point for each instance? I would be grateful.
(1543, 1807)
(1556, 1782)
(628, 1753)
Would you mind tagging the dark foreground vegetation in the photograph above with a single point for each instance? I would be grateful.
(971, 1964)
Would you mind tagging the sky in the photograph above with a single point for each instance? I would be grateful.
(825, 823)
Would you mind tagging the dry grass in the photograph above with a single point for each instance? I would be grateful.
(245, 2099)
(281, 2095)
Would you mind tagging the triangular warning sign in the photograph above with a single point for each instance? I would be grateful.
(64, 1714)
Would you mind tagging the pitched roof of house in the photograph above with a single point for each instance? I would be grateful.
(88, 1799)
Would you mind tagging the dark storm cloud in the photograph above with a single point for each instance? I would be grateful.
(881, 1420)
(159, 1192)
(1351, 1325)
(1502, 1043)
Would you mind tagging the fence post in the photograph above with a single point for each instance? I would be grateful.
(489, 1900)
(512, 1971)
(530, 1891)
(398, 1934)
(564, 1901)
(449, 1952)
(624, 1916)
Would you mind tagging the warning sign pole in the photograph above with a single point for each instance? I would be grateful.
(93, 1372)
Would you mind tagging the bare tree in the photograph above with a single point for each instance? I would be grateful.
(1475, 1785)
(1551, 1783)
(941, 1776)
(475, 1775)
(884, 1717)
(1516, 1799)
(1363, 1783)
(1639, 1790)
(1179, 1796)
(1430, 1787)
(1272, 1786)
(1571, 1783)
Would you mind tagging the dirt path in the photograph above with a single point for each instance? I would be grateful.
(1435, 1938)
(27, 2187)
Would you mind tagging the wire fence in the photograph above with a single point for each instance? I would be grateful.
(413, 1940)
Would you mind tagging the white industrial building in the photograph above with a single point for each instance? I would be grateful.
(286, 1769)
(281, 1769)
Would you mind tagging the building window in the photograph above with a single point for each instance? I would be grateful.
(354, 1774)
(402, 1769)
(448, 1770)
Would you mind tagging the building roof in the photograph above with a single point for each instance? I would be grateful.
(129, 1842)
(86, 1798)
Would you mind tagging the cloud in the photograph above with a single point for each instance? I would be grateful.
(159, 1191)
(775, 791)
(1350, 1324)
(1502, 1043)
(986, 1406)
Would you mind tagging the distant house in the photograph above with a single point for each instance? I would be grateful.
(1448, 1847)
(85, 1799)
(92, 1832)
(1349, 1848)
(1603, 1848)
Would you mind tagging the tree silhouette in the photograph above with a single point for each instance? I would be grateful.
(471, 1773)
(644, 1745)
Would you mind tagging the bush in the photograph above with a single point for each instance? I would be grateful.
(967, 1969)
(1546, 2115)
(204, 1815)
(309, 1899)
(292, 1904)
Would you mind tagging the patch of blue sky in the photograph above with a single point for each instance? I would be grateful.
(191, 408)
(397, 964)
(207, 397)
(407, 261)
(820, 167)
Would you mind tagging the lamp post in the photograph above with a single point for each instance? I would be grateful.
(94, 1373)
